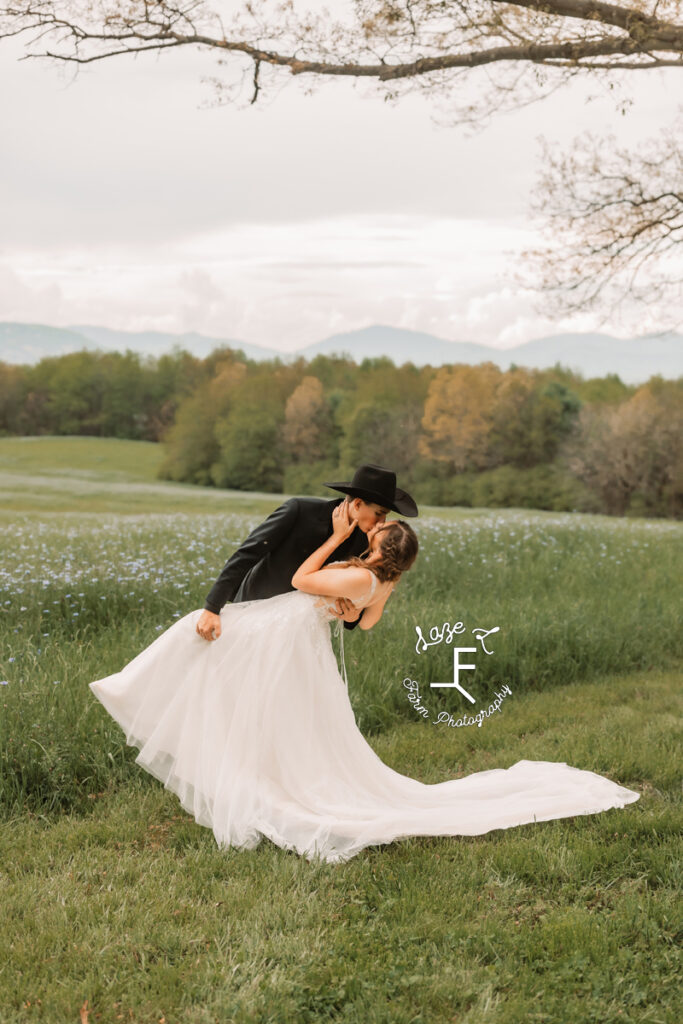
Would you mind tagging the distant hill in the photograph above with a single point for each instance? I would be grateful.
(29, 343)
(401, 346)
(593, 355)
(155, 343)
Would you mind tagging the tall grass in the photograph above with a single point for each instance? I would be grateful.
(573, 597)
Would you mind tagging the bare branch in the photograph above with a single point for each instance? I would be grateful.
(609, 216)
(257, 68)
(388, 41)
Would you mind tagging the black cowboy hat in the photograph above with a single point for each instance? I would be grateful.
(376, 484)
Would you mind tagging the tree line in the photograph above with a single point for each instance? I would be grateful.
(457, 434)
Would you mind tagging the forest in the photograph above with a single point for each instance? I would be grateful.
(455, 435)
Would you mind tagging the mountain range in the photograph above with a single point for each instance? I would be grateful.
(593, 355)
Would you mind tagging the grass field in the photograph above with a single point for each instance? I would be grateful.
(48, 475)
(119, 907)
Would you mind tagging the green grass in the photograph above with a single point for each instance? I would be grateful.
(113, 895)
(101, 459)
(131, 906)
(46, 475)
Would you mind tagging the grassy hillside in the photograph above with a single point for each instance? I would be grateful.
(84, 458)
(95, 475)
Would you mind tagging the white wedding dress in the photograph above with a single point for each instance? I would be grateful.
(255, 734)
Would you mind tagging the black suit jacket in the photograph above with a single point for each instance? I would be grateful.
(264, 564)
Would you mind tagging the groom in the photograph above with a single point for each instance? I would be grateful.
(264, 564)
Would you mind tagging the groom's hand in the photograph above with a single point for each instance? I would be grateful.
(209, 625)
(346, 609)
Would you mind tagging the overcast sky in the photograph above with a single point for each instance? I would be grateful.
(130, 201)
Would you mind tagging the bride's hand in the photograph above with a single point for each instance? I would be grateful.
(342, 523)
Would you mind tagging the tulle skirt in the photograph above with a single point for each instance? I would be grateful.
(255, 734)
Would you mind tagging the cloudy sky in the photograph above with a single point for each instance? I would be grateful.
(130, 199)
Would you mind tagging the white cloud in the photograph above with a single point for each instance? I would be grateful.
(25, 300)
(287, 285)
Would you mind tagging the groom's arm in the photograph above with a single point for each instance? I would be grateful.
(258, 544)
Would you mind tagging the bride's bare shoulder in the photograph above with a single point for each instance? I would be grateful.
(381, 592)
(361, 575)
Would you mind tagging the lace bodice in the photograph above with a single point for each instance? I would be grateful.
(328, 603)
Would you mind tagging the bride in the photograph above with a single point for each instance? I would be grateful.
(255, 733)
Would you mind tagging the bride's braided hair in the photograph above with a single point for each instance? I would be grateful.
(398, 544)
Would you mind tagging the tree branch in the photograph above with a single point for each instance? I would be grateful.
(561, 33)
(609, 216)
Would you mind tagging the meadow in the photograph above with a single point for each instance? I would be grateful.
(117, 906)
